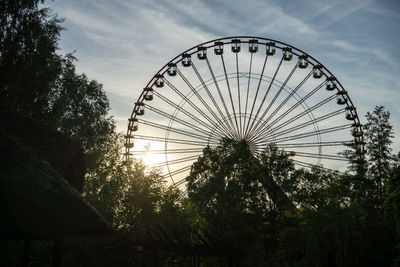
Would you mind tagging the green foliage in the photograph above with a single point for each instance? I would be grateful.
(142, 200)
(105, 185)
(37, 81)
(356, 178)
(318, 189)
(392, 202)
(138, 203)
(278, 176)
(129, 196)
(29, 65)
(329, 227)
(226, 179)
(79, 108)
(378, 136)
(226, 185)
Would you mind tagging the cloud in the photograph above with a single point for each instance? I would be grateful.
(372, 52)
(337, 12)
(124, 43)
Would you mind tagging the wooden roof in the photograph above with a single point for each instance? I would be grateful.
(41, 177)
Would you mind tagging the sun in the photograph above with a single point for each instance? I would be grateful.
(150, 154)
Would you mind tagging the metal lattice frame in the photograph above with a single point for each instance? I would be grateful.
(260, 95)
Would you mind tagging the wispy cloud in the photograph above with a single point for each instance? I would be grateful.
(375, 51)
(337, 12)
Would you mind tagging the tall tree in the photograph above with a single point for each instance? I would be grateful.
(226, 178)
(242, 196)
(378, 135)
(356, 177)
(29, 64)
(106, 184)
(39, 82)
(392, 202)
(226, 187)
(79, 108)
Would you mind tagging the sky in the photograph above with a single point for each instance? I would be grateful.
(122, 43)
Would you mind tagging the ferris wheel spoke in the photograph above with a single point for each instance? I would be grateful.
(182, 180)
(177, 171)
(305, 112)
(311, 166)
(230, 95)
(218, 121)
(184, 111)
(173, 140)
(298, 103)
(261, 144)
(313, 144)
(176, 161)
(284, 101)
(313, 133)
(248, 89)
(181, 121)
(308, 123)
(227, 127)
(220, 94)
(276, 95)
(266, 93)
(305, 164)
(255, 138)
(191, 103)
(260, 139)
(293, 107)
(178, 131)
(169, 151)
(257, 90)
(318, 155)
(238, 92)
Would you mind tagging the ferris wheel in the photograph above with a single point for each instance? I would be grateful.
(244, 88)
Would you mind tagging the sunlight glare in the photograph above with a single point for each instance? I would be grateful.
(150, 159)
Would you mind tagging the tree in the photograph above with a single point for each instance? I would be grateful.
(356, 176)
(79, 108)
(378, 136)
(392, 202)
(37, 81)
(243, 197)
(29, 65)
(226, 187)
(227, 178)
(106, 184)
(280, 177)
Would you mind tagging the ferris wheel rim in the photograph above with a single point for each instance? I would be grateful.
(160, 71)
(163, 69)
(246, 39)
